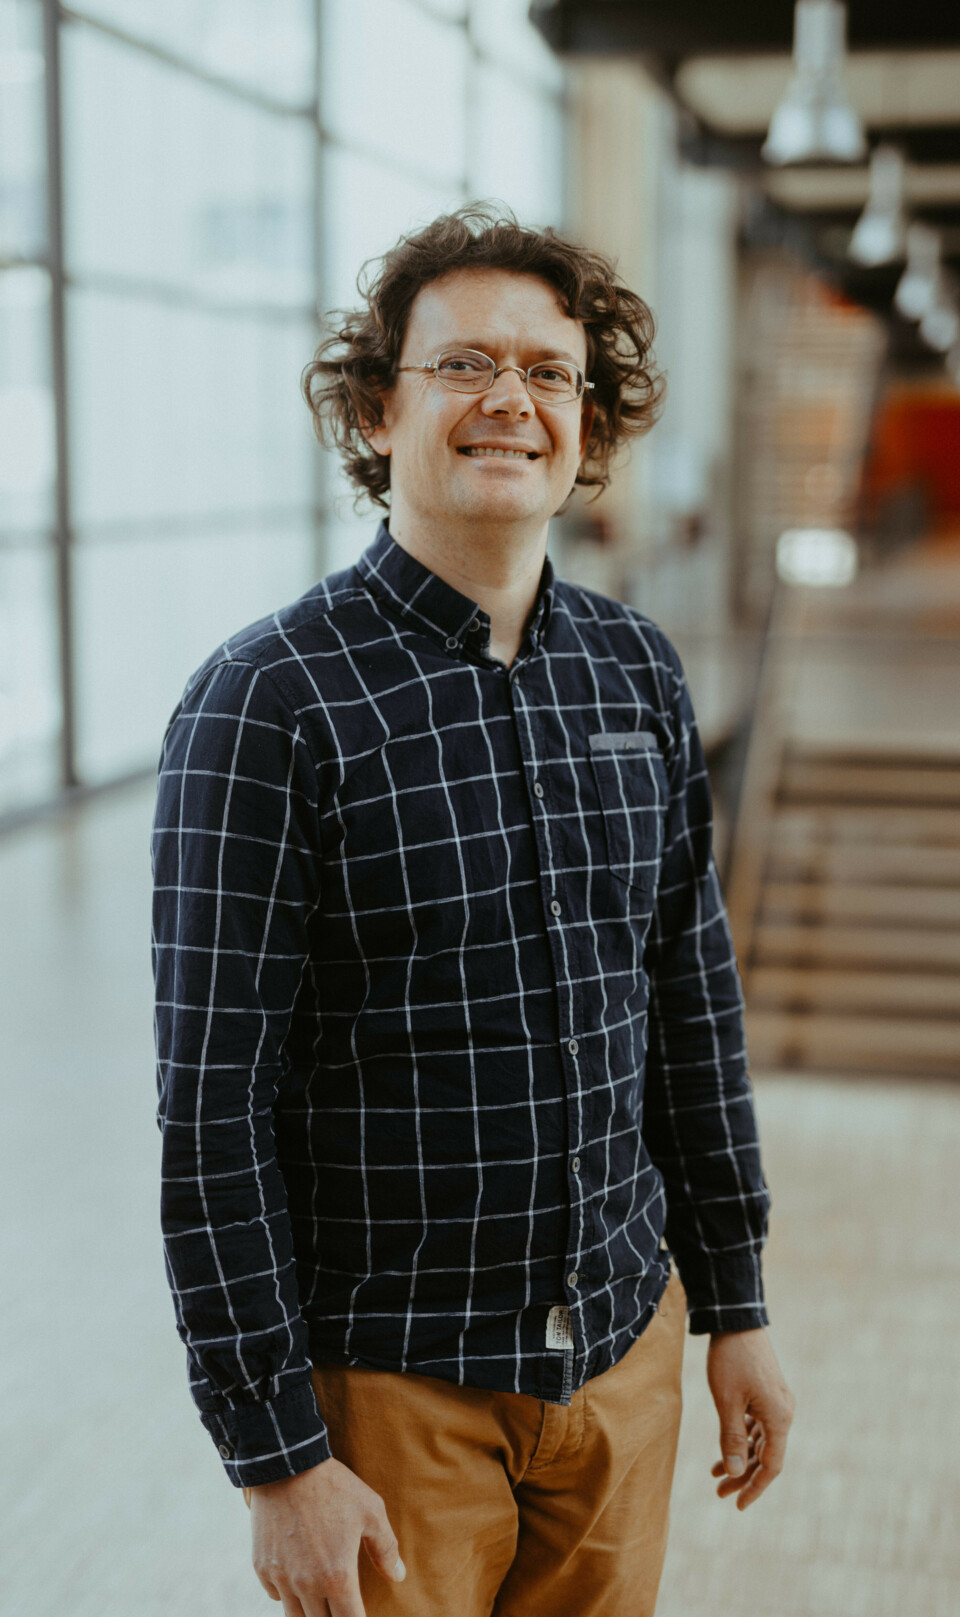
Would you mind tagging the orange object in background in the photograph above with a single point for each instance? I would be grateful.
(915, 446)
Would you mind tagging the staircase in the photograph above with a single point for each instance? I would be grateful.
(854, 959)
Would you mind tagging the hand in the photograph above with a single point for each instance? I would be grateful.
(755, 1406)
(307, 1532)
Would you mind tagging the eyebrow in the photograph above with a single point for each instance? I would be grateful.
(481, 348)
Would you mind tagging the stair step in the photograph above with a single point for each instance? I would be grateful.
(834, 1043)
(887, 993)
(893, 754)
(823, 780)
(833, 824)
(899, 948)
(852, 862)
(859, 902)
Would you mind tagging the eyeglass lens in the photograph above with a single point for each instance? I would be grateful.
(467, 371)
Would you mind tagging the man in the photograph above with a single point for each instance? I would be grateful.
(449, 1025)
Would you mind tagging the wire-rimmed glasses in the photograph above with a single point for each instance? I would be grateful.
(467, 370)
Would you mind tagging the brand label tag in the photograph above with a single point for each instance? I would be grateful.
(559, 1329)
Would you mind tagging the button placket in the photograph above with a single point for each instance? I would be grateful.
(534, 752)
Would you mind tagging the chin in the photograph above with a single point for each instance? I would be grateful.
(502, 504)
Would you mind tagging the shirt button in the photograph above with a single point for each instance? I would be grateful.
(452, 642)
(475, 626)
(575, 1165)
(225, 1450)
(537, 789)
(554, 907)
(572, 1279)
(572, 1046)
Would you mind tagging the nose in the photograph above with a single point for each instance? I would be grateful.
(508, 398)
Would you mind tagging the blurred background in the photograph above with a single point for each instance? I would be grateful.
(185, 187)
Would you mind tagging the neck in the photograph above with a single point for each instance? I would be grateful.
(496, 567)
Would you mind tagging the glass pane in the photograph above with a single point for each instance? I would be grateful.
(169, 180)
(346, 531)
(181, 413)
(149, 611)
(414, 83)
(502, 29)
(265, 45)
(366, 208)
(23, 221)
(518, 156)
(27, 451)
(29, 679)
(454, 9)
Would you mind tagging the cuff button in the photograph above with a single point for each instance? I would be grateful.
(225, 1450)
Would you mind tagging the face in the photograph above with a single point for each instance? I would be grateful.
(436, 437)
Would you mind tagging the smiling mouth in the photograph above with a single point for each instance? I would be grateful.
(475, 451)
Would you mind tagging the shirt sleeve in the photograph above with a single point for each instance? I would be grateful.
(699, 1121)
(236, 866)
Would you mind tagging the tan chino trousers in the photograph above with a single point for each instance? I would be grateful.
(505, 1505)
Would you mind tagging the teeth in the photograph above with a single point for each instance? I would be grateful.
(507, 454)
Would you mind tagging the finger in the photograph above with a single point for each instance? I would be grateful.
(757, 1485)
(734, 1440)
(731, 1485)
(771, 1464)
(345, 1601)
(773, 1449)
(380, 1542)
(272, 1591)
(291, 1605)
(720, 1470)
(316, 1606)
(754, 1451)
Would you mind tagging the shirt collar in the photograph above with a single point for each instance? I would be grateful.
(433, 605)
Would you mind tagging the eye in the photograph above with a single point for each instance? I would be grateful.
(462, 364)
(559, 376)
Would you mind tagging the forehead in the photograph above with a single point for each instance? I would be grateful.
(496, 308)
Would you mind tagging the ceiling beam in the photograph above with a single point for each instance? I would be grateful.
(674, 29)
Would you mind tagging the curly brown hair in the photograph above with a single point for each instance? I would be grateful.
(356, 363)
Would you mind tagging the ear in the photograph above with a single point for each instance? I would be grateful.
(379, 436)
(587, 413)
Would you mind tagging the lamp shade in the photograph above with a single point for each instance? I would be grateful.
(880, 233)
(919, 284)
(816, 121)
(940, 326)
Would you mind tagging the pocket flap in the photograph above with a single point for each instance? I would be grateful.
(622, 741)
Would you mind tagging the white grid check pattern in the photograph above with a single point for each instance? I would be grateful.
(449, 1027)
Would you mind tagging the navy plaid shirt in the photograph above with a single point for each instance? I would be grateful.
(449, 1027)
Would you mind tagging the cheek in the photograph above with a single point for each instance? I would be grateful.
(568, 444)
(440, 421)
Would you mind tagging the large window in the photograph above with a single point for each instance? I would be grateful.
(184, 186)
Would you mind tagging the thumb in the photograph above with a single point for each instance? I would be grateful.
(381, 1545)
(734, 1444)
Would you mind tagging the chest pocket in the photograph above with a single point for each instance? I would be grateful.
(634, 792)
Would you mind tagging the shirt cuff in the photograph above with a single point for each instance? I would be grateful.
(265, 1442)
(727, 1317)
(724, 1292)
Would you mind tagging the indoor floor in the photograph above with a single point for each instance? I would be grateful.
(114, 1499)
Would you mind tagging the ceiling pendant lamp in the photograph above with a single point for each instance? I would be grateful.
(940, 326)
(880, 233)
(816, 121)
(919, 285)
